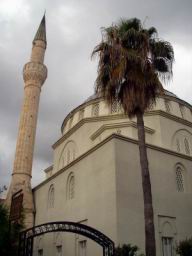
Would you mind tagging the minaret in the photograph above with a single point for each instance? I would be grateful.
(34, 75)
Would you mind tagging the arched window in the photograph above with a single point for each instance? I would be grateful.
(95, 110)
(187, 148)
(167, 106)
(115, 107)
(71, 186)
(178, 145)
(179, 179)
(51, 197)
(68, 154)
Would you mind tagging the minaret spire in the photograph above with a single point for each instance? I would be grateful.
(41, 32)
(34, 75)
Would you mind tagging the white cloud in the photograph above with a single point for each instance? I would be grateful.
(10, 8)
(182, 72)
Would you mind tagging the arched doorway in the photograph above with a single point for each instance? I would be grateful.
(27, 236)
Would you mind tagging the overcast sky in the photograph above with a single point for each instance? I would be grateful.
(73, 29)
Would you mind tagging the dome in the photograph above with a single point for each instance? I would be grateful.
(85, 110)
(96, 96)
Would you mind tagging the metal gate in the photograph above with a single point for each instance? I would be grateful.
(27, 236)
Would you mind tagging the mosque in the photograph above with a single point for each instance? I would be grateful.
(95, 177)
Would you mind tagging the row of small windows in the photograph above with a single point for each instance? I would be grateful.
(115, 108)
(70, 191)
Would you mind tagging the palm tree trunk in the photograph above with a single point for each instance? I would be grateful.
(150, 246)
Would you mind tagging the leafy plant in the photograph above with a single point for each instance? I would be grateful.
(184, 247)
(9, 233)
(127, 250)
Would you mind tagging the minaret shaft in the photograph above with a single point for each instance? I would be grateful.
(34, 75)
(27, 131)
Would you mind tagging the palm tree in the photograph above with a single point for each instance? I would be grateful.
(132, 60)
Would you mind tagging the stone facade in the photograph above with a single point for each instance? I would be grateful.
(99, 149)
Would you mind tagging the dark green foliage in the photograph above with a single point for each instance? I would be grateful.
(9, 234)
(127, 250)
(185, 247)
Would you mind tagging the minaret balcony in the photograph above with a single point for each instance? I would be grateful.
(34, 71)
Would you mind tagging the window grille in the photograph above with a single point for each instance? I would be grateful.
(115, 107)
(179, 180)
(51, 197)
(167, 246)
(71, 187)
(178, 145)
(95, 110)
(187, 148)
(167, 106)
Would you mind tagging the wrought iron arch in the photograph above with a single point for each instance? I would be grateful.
(27, 236)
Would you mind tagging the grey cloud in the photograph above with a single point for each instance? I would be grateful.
(73, 29)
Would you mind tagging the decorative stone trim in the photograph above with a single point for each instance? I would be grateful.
(116, 117)
(34, 71)
(85, 104)
(170, 116)
(118, 125)
(108, 139)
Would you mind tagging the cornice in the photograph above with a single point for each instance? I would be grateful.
(84, 121)
(168, 115)
(72, 112)
(108, 139)
(116, 117)
(105, 127)
(84, 104)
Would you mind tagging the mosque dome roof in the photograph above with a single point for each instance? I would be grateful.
(92, 100)
(96, 96)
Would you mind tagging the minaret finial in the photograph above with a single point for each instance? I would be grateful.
(41, 32)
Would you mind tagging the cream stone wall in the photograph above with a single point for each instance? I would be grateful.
(98, 148)
(87, 130)
(108, 195)
(168, 203)
(94, 200)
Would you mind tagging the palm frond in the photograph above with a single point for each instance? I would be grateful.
(132, 63)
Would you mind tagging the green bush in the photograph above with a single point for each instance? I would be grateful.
(184, 247)
(127, 250)
(9, 234)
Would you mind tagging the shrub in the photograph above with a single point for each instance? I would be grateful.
(127, 250)
(184, 247)
(9, 234)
